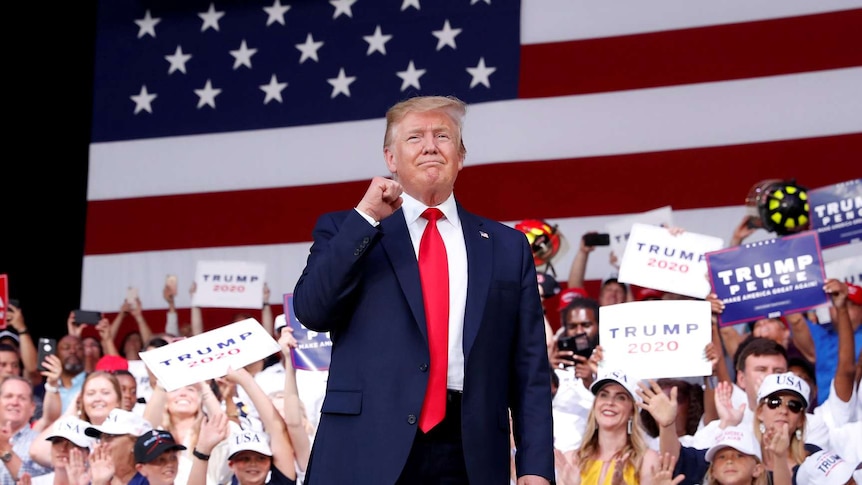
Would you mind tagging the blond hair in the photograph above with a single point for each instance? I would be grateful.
(797, 446)
(636, 447)
(452, 106)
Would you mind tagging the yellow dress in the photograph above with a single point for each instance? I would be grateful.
(591, 475)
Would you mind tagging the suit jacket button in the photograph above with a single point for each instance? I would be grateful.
(365, 241)
(423, 367)
(411, 419)
(357, 252)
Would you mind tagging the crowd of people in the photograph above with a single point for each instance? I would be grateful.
(512, 402)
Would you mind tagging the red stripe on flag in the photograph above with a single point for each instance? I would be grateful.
(703, 54)
(684, 179)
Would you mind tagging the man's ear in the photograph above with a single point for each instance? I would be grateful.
(389, 157)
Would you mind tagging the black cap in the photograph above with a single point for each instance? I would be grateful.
(153, 443)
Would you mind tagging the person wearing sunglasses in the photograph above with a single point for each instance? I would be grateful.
(780, 415)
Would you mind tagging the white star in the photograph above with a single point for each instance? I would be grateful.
(474, 2)
(409, 3)
(143, 100)
(480, 74)
(273, 90)
(410, 77)
(242, 56)
(147, 25)
(309, 49)
(342, 7)
(377, 42)
(211, 18)
(276, 13)
(446, 36)
(207, 95)
(178, 61)
(341, 84)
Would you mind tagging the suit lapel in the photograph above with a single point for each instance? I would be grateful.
(398, 246)
(479, 268)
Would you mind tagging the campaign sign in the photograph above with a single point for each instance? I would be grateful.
(658, 338)
(655, 258)
(619, 229)
(836, 213)
(314, 349)
(848, 270)
(4, 299)
(768, 279)
(208, 355)
(229, 284)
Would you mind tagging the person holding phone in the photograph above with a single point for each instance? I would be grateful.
(578, 320)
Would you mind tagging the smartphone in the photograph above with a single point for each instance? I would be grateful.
(132, 296)
(171, 283)
(87, 317)
(593, 239)
(579, 344)
(47, 346)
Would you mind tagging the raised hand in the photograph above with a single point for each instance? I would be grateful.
(214, 430)
(657, 403)
(382, 198)
(727, 415)
(101, 466)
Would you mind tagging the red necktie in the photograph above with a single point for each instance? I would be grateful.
(434, 273)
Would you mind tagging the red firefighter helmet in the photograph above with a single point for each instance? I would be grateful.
(543, 238)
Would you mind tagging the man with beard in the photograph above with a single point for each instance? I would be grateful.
(573, 400)
(70, 351)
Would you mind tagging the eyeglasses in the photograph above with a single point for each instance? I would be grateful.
(795, 406)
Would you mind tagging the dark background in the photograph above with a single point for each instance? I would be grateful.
(49, 89)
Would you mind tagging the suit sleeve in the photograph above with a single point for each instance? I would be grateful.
(323, 293)
(531, 403)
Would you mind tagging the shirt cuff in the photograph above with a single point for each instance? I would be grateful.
(367, 217)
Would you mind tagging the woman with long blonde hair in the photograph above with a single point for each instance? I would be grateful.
(613, 449)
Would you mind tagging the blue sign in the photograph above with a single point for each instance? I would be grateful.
(836, 213)
(314, 349)
(768, 279)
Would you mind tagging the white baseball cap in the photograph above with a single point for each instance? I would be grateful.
(120, 422)
(740, 438)
(787, 381)
(73, 430)
(248, 440)
(823, 468)
(619, 377)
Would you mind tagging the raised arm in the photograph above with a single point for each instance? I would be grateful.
(294, 416)
(579, 264)
(266, 319)
(801, 336)
(663, 410)
(214, 430)
(172, 321)
(845, 371)
(143, 327)
(197, 317)
(25, 344)
(273, 424)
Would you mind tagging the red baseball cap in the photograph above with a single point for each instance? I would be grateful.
(854, 293)
(649, 294)
(569, 294)
(111, 363)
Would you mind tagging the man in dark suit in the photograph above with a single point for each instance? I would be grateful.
(366, 284)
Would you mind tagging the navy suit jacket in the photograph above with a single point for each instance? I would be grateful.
(361, 283)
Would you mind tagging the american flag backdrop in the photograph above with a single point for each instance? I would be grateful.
(222, 130)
